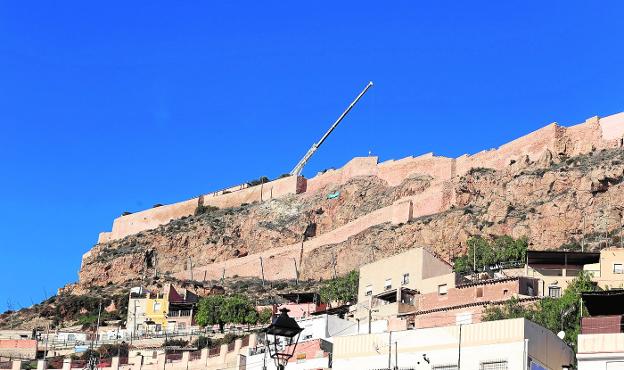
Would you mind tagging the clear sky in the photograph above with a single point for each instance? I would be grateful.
(114, 106)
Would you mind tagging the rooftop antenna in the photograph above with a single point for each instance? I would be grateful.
(299, 167)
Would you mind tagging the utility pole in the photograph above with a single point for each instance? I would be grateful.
(389, 350)
(583, 235)
(296, 272)
(45, 354)
(459, 348)
(396, 355)
(621, 230)
(334, 263)
(262, 271)
(370, 319)
(301, 251)
(474, 259)
(223, 277)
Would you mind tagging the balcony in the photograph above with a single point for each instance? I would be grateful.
(180, 313)
(386, 303)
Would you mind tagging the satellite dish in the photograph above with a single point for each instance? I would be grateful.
(561, 334)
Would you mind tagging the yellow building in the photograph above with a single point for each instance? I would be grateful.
(156, 309)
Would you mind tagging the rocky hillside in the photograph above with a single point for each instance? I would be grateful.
(555, 201)
(552, 201)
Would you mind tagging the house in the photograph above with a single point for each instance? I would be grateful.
(601, 342)
(556, 269)
(301, 304)
(153, 311)
(416, 289)
(494, 345)
(466, 302)
(390, 286)
(18, 348)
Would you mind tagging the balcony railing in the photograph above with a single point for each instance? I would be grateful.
(180, 313)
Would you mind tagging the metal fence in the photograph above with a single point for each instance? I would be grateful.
(195, 355)
(214, 352)
(174, 357)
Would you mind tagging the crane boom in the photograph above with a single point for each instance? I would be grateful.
(299, 167)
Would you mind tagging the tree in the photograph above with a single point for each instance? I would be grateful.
(210, 311)
(342, 289)
(220, 310)
(238, 309)
(265, 316)
(488, 252)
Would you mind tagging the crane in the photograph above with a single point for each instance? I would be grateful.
(299, 167)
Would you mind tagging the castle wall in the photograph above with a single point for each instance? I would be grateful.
(274, 189)
(358, 166)
(532, 145)
(612, 127)
(152, 218)
(593, 133)
(395, 171)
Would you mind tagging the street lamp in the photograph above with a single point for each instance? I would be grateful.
(285, 332)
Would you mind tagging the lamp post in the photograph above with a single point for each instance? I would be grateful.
(285, 332)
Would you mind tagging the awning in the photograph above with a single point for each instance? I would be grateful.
(608, 302)
(561, 258)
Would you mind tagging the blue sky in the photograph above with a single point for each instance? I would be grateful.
(114, 106)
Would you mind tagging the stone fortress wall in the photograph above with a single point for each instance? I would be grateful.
(594, 133)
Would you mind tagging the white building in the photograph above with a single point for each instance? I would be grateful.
(496, 345)
(600, 351)
(315, 344)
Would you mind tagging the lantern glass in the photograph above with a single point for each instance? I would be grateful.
(282, 337)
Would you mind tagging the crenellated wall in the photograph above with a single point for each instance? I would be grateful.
(594, 133)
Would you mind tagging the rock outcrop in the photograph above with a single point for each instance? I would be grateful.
(555, 202)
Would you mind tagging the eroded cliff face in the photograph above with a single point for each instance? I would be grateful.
(555, 201)
(224, 234)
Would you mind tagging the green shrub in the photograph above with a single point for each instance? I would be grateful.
(202, 209)
(342, 289)
(489, 252)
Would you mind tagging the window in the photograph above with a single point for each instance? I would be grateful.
(618, 268)
(388, 284)
(181, 326)
(480, 292)
(405, 279)
(554, 291)
(158, 327)
(369, 290)
(493, 365)
(156, 306)
(442, 289)
(505, 291)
